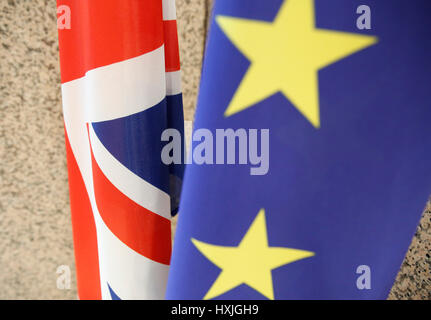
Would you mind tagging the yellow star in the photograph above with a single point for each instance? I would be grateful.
(250, 263)
(286, 56)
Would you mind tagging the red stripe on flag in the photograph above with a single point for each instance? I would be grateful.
(84, 232)
(140, 229)
(172, 54)
(107, 31)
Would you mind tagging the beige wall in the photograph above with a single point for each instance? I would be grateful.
(35, 229)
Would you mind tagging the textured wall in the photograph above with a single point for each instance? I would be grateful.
(35, 230)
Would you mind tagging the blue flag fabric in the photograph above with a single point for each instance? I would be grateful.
(348, 111)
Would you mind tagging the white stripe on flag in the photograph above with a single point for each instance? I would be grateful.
(122, 88)
(131, 275)
(173, 83)
(169, 11)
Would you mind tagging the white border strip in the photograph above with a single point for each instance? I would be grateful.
(169, 10)
(173, 83)
(124, 88)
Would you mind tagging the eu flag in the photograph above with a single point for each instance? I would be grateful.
(344, 91)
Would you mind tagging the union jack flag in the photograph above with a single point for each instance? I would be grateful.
(121, 87)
